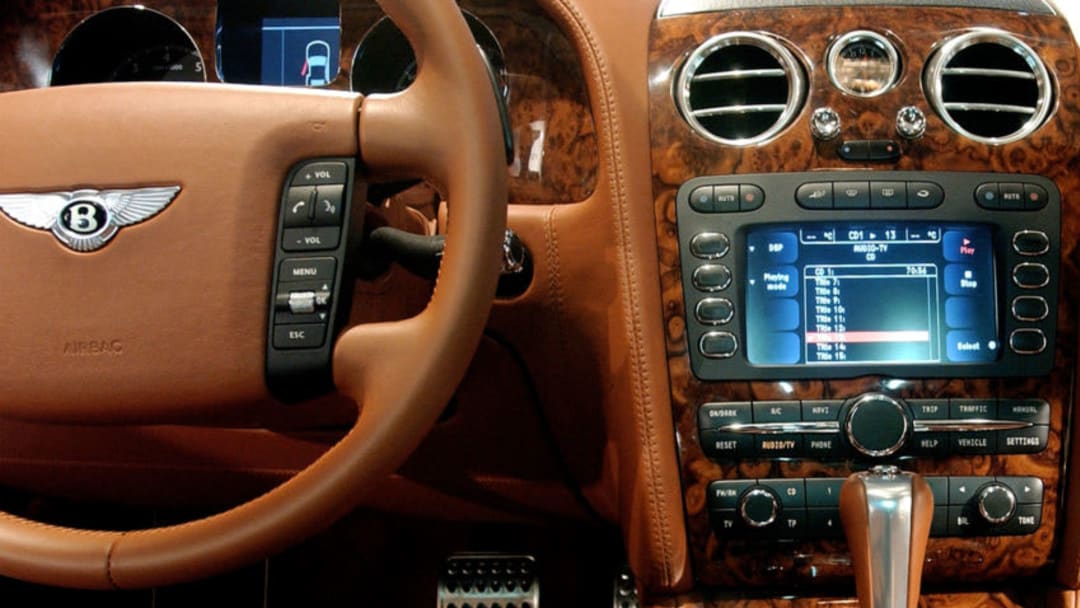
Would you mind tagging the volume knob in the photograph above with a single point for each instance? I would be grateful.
(759, 507)
(877, 425)
(996, 502)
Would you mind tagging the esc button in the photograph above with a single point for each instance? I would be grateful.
(293, 337)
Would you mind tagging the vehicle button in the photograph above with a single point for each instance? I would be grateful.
(725, 494)
(924, 195)
(307, 269)
(792, 492)
(299, 207)
(851, 195)
(963, 489)
(1026, 520)
(777, 411)
(854, 150)
(786, 445)
(291, 337)
(727, 198)
(710, 245)
(1030, 275)
(328, 205)
(987, 196)
(322, 173)
(1031, 440)
(973, 442)
(939, 523)
(882, 150)
(310, 239)
(963, 409)
(724, 445)
(714, 311)
(888, 195)
(816, 195)
(790, 524)
(1030, 308)
(1035, 197)
(751, 197)
(1028, 490)
(939, 487)
(929, 409)
(824, 523)
(1012, 196)
(1027, 341)
(1035, 411)
(932, 444)
(962, 521)
(702, 201)
(716, 415)
(823, 491)
(821, 410)
(711, 277)
(726, 523)
(1031, 242)
(718, 344)
(823, 446)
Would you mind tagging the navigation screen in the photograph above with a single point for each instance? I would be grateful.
(300, 51)
(871, 293)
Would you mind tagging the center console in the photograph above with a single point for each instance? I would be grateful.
(861, 268)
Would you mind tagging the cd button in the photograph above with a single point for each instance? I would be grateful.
(710, 245)
(1029, 275)
(751, 197)
(817, 195)
(792, 492)
(987, 196)
(1035, 197)
(714, 311)
(1027, 341)
(702, 201)
(718, 344)
(924, 195)
(1030, 308)
(888, 195)
(712, 277)
(1031, 242)
(852, 195)
(1012, 196)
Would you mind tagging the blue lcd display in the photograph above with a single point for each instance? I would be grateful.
(862, 293)
(300, 51)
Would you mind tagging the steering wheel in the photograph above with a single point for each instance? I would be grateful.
(177, 304)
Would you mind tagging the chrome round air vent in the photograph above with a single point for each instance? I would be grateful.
(740, 88)
(989, 86)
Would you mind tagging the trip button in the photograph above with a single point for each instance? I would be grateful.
(924, 195)
(1030, 308)
(293, 337)
(851, 195)
(299, 207)
(1027, 341)
(307, 269)
(1030, 275)
(817, 195)
(310, 239)
(318, 174)
(328, 205)
(929, 409)
(987, 196)
(1031, 242)
(888, 195)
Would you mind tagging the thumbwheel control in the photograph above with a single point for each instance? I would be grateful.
(759, 507)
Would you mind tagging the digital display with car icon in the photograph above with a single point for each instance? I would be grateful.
(300, 51)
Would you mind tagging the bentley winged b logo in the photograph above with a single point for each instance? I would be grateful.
(85, 220)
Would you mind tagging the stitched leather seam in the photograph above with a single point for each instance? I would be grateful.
(109, 561)
(640, 377)
(555, 285)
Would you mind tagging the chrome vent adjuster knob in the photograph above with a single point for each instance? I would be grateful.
(910, 122)
(825, 124)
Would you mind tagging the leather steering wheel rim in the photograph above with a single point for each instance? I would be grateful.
(444, 128)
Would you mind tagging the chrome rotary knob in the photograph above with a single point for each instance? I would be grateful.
(996, 503)
(759, 507)
(825, 124)
(877, 425)
(910, 122)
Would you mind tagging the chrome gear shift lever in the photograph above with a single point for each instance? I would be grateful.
(886, 514)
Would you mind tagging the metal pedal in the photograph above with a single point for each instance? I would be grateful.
(489, 580)
(625, 589)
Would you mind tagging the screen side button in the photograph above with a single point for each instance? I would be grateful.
(714, 311)
(1031, 242)
(711, 277)
(718, 344)
(1027, 341)
(815, 195)
(1030, 275)
(1030, 308)
(710, 245)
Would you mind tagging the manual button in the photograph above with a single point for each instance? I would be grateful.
(292, 337)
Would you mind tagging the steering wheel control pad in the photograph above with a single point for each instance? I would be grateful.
(309, 268)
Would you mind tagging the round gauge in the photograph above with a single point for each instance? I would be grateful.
(384, 62)
(863, 63)
(163, 63)
(127, 43)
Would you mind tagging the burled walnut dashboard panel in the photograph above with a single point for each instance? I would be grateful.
(557, 159)
(678, 154)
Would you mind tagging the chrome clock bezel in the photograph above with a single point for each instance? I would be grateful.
(862, 36)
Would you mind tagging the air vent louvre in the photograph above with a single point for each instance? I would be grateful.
(989, 86)
(740, 88)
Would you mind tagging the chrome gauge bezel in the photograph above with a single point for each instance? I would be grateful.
(834, 56)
